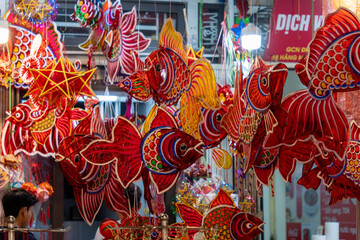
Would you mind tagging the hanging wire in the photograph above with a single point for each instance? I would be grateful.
(139, 22)
(312, 19)
(257, 23)
(251, 10)
(155, 8)
(200, 24)
(186, 27)
(109, 110)
(64, 29)
(217, 43)
(135, 199)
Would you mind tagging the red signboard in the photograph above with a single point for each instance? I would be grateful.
(293, 231)
(343, 212)
(291, 28)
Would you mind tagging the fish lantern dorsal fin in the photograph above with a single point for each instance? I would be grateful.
(170, 38)
(354, 131)
(35, 45)
(189, 215)
(92, 124)
(258, 63)
(106, 5)
(336, 25)
(163, 119)
(97, 124)
(158, 117)
(222, 198)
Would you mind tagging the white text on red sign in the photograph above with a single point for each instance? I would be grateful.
(296, 22)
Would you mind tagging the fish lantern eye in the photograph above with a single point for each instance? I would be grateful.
(249, 225)
(264, 81)
(127, 84)
(27, 65)
(218, 117)
(183, 147)
(77, 158)
(325, 153)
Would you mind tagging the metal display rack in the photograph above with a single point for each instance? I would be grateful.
(164, 227)
(11, 229)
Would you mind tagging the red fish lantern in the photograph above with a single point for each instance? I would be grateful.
(165, 151)
(256, 104)
(223, 220)
(314, 119)
(167, 77)
(92, 183)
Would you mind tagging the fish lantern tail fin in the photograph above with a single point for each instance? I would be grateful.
(202, 93)
(338, 194)
(320, 121)
(190, 216)
(123, 147)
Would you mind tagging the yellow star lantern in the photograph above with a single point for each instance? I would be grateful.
(245, 206)
(185, 195)
(184, 190)
(60, 79)
(34, 9)
(27, 7)
(44, 10)
(192, 55)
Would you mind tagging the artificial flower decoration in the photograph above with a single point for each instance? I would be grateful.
(87, 13)
(42, 192)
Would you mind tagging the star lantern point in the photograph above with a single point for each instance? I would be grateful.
(60, 79)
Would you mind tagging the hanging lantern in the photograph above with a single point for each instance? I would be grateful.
(250, 37)
(4, 31)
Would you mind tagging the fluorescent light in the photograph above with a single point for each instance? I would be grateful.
(103, 98)
(107, 98)
(250, 37)
(251, 42)
(4, 31)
